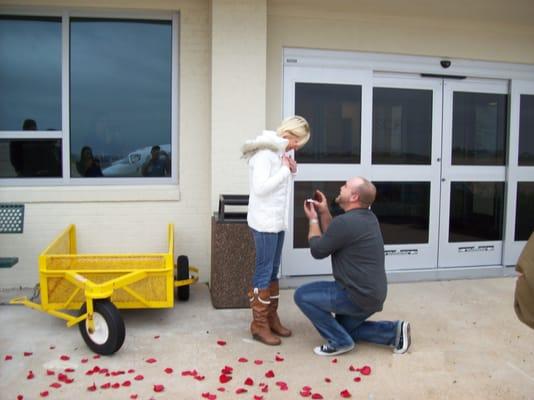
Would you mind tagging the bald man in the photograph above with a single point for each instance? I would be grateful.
(339, 309)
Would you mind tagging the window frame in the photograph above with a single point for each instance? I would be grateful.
(64, 134)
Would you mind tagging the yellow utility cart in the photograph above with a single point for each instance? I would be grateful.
(99, 284)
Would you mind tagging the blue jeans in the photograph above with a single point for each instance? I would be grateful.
(340, 321)
(268, 252)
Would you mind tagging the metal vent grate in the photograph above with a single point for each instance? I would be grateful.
(11, 218)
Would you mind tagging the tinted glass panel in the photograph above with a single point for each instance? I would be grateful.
(402, 126)
(30, 73)
(526, 130)
(476, 211)
(306, 190)
(403, 209)
(120, 97)
(479, 128)
(30, 158)
(524, 217)
(334, 114)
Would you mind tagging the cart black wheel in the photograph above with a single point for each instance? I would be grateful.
(182, 273)
(109, 333)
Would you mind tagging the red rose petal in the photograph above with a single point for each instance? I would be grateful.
(279, 358)
(199, 377)
(221, 342)
(96, 368)
(151, 360)
(305, 393)
(209, 396)
(55, 385)
(20, 397)
(242, 360)
(69, 369)
(317, 396)
(126, 383)
(357, 379)
(44, 393)
(131, 371)
(352, 368)
(139, 377)
(156, 337)
(106, 385)
(159, 388)
(269, 374)
(64, 358)
(334, 361)
(249, 382)
(116, 385)
(221, 389)
(258, 362)
(345, 394)
(30, 375)
(8, 357)
(256, 397)
(133, 396)
(92, 388)
(327, 380)
(168, 370)
(96, 356)
(50, 372)
(84, 360)
(365, 370)
(227, 370)
(223, 378)
(265, 389)
(27, 353)
(240, 390)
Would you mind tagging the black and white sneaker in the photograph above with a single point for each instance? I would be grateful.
(328, 350)
(405, 338)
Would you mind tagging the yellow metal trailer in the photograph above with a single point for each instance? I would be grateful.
(100, 284)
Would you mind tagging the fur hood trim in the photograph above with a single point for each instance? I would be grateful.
(268, 140)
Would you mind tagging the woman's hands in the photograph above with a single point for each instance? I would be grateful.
(290, 163)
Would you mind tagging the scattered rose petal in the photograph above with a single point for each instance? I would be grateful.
(221, 342)
(133, 396)
(55, 385)
(265, 389)
(139, 377)
(327, 380)
(50, 372)
(126, 383)
(84, 360)
(96, 356)
(242, 360)
(116, 385)
(317, 396)
(69, 369)
(223, 378)
(44, 393)
(240, 390)
(209, 396)
(257, 397)
(20, 397)
(357, 379)
(278, 358)
(159, 388)
(106, 385)
(168, 370)
(221, 389)
(151, 360)
(30, 375)
(96, 368)
(345, 394)
(249, 382)
(352, 368)
(365, 370)
(334, 361)
(27, 353)
(64, 358)
(199, 377)
(227, 370)
(258, 362)
(92, 388)
(131, 371)
(282, 385)
(156, 337)
(305, 393)
(8, 357)
(269, 374)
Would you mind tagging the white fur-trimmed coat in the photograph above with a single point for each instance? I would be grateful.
(269, 183)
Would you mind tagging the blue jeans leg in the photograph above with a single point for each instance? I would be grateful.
(319, 301)
(277, 255)
(266, 251)
(378, 332)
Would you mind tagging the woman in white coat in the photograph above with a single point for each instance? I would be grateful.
(270, 173)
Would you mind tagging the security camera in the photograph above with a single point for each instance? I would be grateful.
(445, 63)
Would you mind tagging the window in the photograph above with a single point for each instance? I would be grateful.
(117, 101)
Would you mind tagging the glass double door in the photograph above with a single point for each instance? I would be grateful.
(435, 149)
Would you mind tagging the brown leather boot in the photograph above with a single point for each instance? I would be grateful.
(274, 321)
(259, 302)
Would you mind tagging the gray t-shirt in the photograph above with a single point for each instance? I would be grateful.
(354, 241)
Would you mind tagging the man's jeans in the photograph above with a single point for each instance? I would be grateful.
(319, 300)
(268, 251)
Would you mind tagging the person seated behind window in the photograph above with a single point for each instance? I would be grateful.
(88, 166)
(157, 164)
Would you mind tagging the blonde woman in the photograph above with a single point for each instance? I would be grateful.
(270, 176)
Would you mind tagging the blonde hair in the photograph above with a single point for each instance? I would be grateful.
(296, 126)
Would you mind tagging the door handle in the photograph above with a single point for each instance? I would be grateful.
(443, 179)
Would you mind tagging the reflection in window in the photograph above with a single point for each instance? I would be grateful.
(30, 158)
(402, 126)
(526, 131)
(334, 114)
(479, 128)
(524, 217)
(476, 211)
(403, 210)
(306, 190)
(30, 72)
(120, 85)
